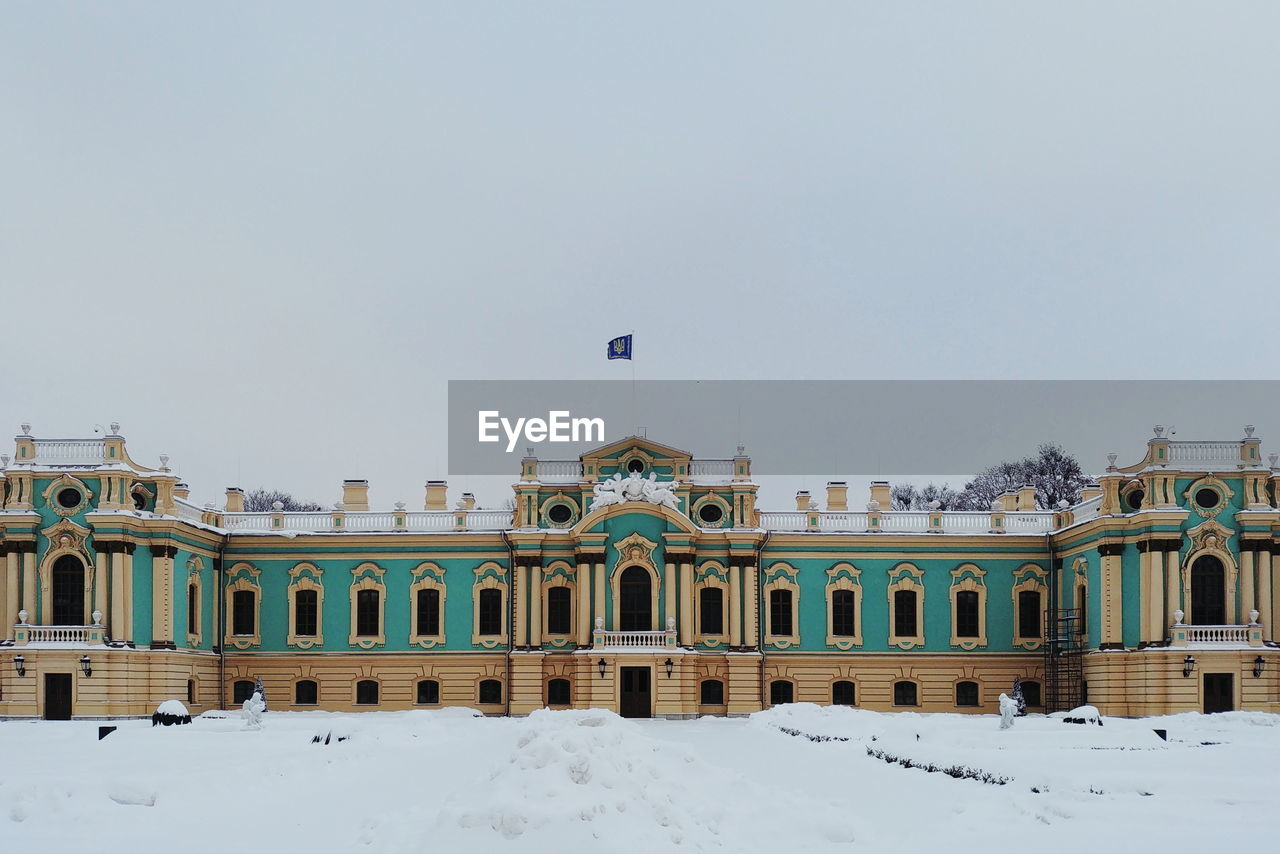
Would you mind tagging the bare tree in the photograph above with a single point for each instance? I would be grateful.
(906, 496)
(1055, 474)
(263, 501)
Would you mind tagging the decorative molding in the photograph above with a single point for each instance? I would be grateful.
(427, 576)
(844, 576)
(969, 577)
(368, 576)
(906, 576)
(305, 576)
(62, 482)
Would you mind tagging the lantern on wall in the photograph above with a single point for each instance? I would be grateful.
(1188, 665)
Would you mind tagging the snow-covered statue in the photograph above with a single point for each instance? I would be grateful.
(633, 487)
(253, 709)
(1008, 711)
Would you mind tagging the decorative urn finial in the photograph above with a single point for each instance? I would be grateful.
(1159, 431)
(1248, 431)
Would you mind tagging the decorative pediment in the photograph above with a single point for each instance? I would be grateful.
(1210, 535)
(634, 444)
(65, 535)
(635, 549)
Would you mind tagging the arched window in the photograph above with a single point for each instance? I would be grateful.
(904, 613)
(558, 689)
(306, 607)
(842, 609)
(241, 691)
(781, 691)
(1029, 611)
(1208, 592)
(780, 613)
(843, 693)
(428, 611)
(559, 611)
(967, 694)
(243, 613)
(905, 694)
(711, 611)
(193, 609)
(490, 612)
(367, 613)
(191, 692)
(634, 602)
(306, 692)
(366, 692)
(68, 591)
(967, 621)
(490, 691)
(428, 692)
(1031, 694)
(711, 692)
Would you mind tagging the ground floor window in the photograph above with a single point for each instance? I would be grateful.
(306, 693)
(428, 692)
(966, 693)
(711, 692)
(558, 689)
(490, 691)
(781, 691)
(366, 693)
(191, 692)
(1031, 694)
(905, 694)
(241, 691)
(842, 693)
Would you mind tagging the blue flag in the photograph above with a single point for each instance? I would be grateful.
(620, 348)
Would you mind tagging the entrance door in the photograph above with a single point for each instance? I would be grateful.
(57, 696)
(1217, 693)
(1208, 592)
(634, 700)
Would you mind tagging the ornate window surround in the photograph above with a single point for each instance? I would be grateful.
(635, 550)
(305, 576)
(65, 538)
(1080, 593)
(845, 576)
(243, 576)
(1213, 538)
(489, 576)
(426, 576)
(195, 566)
(712, 573)
(695, 509)
(60, 483)
(907, 576)
(575, 512)
(781, 576)
(559, 574)
(368, 576)
(1029, 578)
(969, 577)
(1225, 494)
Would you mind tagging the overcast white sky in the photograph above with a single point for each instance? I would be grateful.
(264, 236)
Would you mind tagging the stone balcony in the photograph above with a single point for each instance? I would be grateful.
(633, 641)
(1221, 637)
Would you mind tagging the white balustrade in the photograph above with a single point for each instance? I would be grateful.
(57, 634)
(187, 510)
(1218, 634)
(307, 521)
(966, 522)
(838, 521)
(631, 640)
(429, 520)
(904, 520)
(488, 520)
(1086, 510)
(1213, 453)
(370, 521)
(562, 471)
(247, 521)
(787, 520)
(1028, 523)
(711, 468)
(70, 451)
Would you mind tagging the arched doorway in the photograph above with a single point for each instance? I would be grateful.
(635, 604)
(1208, 592)
(67, 588)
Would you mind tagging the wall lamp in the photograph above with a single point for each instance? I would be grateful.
(86, 666)
(601, 665)
(1258, 666)
(669, 664)
(1188, 665)
(20, 664)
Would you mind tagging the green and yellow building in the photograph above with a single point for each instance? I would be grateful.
(638, 579)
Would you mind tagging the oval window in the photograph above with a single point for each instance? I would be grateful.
(1134, 499)
(69, 497)
(1208, 498)
(636, 466)
(710, 514)
(559, 514)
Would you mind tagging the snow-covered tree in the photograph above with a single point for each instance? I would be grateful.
(906, 496)
(263, 501)
(1055, 474)
(1017, 696)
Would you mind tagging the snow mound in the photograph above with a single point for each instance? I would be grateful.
(1084, 715)
(574, 776)
(170, 712)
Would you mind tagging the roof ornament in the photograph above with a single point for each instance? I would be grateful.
(26, 429)
(115, 428)
(1271, 458)
(1158, 430)
(1111, 460)
(1248, 431)
(164, 462)
(633, 487)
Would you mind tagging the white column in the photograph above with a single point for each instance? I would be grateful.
(584, 604)
(535, 606)
(686, 603)
(1172, 586)
(669, 592)
(1246, 583)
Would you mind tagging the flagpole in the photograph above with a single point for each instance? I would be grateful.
(632, 360)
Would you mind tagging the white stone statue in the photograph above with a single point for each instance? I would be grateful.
(663, 493)
(633, 487)
(1008, 711)
(607, 492)
(253, 709)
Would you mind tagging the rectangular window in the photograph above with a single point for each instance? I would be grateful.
(367, 613)
(490, 612)
(711, 610)
(242, 616)
(193, 610)
(780, 612)
(967, 614)
(559, 609)
(842, 613)
(904, 613)
(1028, 614)
(428, 611)
(305, 607)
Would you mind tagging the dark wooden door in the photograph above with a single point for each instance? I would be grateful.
(57, 696)
(1208, 592)
(634, 700)
(1217, 693)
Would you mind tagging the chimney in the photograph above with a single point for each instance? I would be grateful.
(355, 495)
(1090, 492)
(837, 495)
(802, 499)
(436, 495)
(1008, 500)
(468, 501)
(1026, 498)
(235, 499)
(880, 492)
(181, 490)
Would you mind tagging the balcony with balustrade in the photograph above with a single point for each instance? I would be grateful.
(639, 642)
(59, 637)
(1216, 637)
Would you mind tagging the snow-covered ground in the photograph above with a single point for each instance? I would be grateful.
(573, 781)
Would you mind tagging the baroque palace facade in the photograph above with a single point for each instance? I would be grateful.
(638, 579)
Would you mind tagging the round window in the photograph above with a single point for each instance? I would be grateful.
(559, 514)
(636, 466)
(1134, 499)
(69, 497)
(1208, 498)
(710, 513)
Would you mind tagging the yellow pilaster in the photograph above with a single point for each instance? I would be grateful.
(102, 584)
(1172, 596)
(599, 594)
(686, 603)
(1246, 582)
(29, 585)
(535, 606)
(735, 606)
(118, 621)
(1145, 588)
(522, 604)
(1267, 616)
(669, 590)
(9, 595)
(1112, 616)
(751, 583)
(584, 604)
